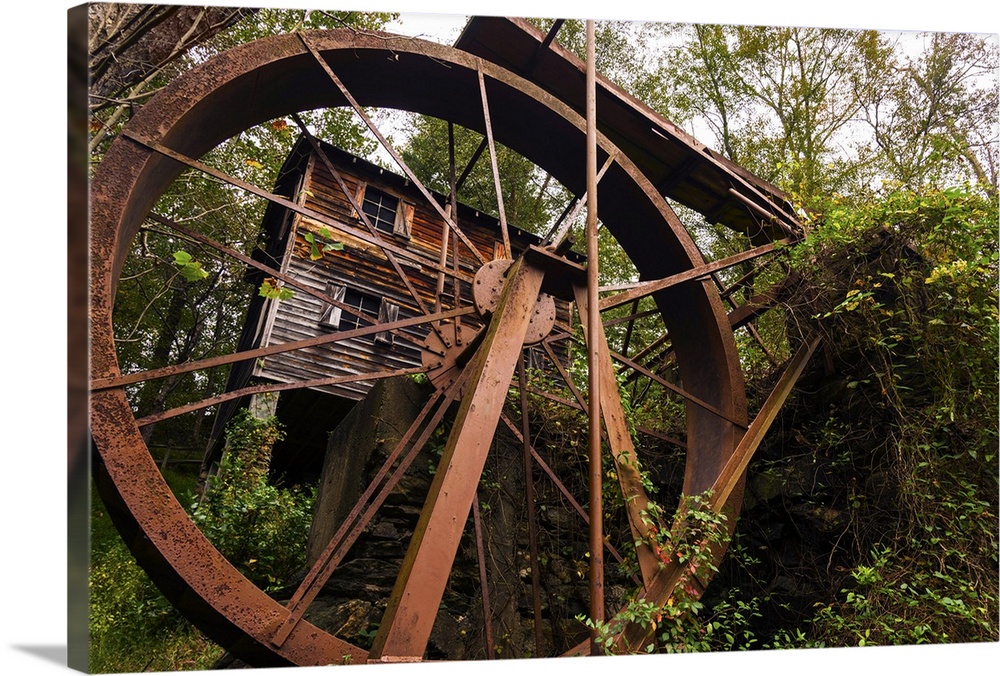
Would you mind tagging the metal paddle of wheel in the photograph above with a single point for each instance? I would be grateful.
(287, 74)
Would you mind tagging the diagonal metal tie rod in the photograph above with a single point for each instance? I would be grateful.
(392, 151)
(315, 215)
(366, 506)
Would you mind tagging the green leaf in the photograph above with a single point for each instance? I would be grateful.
(270, 288)
(193, 272)
(189, 269)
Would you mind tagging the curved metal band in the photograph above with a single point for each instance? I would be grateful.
(274, 77)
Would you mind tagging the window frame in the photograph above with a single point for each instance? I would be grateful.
(401, 223)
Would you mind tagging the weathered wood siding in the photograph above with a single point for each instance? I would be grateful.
(363, 267)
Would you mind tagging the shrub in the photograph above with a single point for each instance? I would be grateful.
(260, 528)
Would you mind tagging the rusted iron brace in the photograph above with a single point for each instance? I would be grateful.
(483, 582)
(221, 360)
(407, 623)
(642, 289)
(635, 636)
(561, 487)
(493, 160)
(529, 495)
(389, 149)
(365, 508)
(266, 269)
(272, 387)
(560, 230)
(594, 460)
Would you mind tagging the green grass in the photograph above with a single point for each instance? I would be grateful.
(133, 628)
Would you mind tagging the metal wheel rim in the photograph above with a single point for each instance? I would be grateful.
(197, 112)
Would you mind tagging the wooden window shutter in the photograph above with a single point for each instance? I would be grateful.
(359, 198)
(404, 220)
(387, 312)
(330, 316)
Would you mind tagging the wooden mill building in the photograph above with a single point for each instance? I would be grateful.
(349, 265)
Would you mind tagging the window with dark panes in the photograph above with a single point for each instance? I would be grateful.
(381, 209)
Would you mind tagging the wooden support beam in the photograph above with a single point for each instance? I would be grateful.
(757, 304)
(542, 46)
(737, 464)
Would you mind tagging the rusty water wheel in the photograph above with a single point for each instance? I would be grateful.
(282, 75)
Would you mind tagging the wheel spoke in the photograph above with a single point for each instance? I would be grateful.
(627, 340)
(561, 487)
(493, 161)
(273, 387)
(620, 442)
(483, 582)
(280, 348)
(452, 208)
(676, 389)
(634, 636)
(471, 164)
(407, 623)
(389, 149)
(561, 228)
(366, 507)
(643, 289)
(529, 497)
